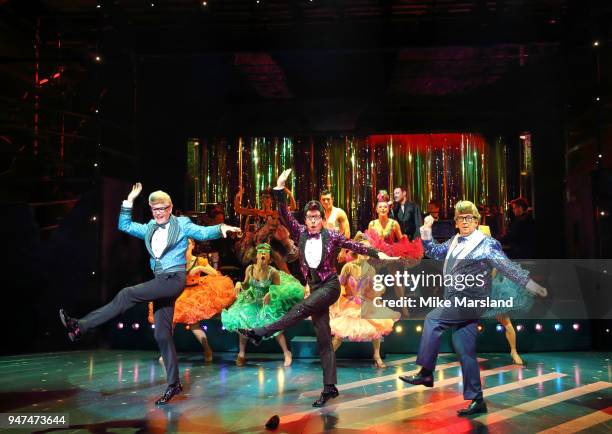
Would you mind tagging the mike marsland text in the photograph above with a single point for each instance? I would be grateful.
(433, 302)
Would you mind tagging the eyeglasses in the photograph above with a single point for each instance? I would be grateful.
(465, 218)
(313, 218)
(159, 209)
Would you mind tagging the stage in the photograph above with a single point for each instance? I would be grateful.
(114, 391)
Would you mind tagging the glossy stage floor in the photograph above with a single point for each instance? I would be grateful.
(114, 391)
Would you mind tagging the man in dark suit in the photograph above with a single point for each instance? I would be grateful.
(407, 213)
(318, 249)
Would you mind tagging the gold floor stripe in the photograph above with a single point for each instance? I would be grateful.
(399, 416)
(581, 423)
(536, 404)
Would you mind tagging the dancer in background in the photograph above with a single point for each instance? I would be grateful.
(265, 295)
(503, 288)
(335, 218)
(406, 213)
(165, 238)
(354, 316)
(318, 249)
(203, 298)
(385, 234)
(268, 231)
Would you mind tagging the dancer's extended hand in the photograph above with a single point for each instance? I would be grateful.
(227, 228)
(136, 189)
(282, 179)
(266, 299)
(428, 222)
(383, 255)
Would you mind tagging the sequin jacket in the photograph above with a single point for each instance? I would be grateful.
(332, 241)
(481, 259)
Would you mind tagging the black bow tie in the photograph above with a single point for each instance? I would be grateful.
(161, 225)
(462, 239)
(313, 236)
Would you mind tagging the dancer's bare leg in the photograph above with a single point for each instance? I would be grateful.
(504, 320)
(203, 340)
(280, 338)
(241, 359)
(377, 359)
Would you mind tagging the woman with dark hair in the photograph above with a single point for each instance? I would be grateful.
(268, 230)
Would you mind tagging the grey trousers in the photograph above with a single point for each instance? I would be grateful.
(316, 305)
(163, 290)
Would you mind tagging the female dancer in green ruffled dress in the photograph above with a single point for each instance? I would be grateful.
(265, 295)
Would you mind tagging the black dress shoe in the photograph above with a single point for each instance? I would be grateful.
(251, 335)
(418, 379)
(273, 422)
(171, 391)
(71, 324)
(326, 396)
(475, 407)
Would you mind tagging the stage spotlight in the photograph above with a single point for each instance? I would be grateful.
(205, 328)
(419, 329)
(398, 329)
(187, 327)
(153, 326)
(576, 326)
(596, 44)
(204, 4)
(94, 218)
(538, 327)
(520, 328)
(599, 156)
(597, 98)
(98, 6)
(119, 325)
(223, 328)
(607, 330)
(98, 59)
(480, 328)
(499, 328)
(95, 164)
(135, 326)
(558, 327)
(93, 273)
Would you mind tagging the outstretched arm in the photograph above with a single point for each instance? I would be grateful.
(292, 204)
(204, 233)
(285, 217)
(125, 215)
(345, 228)
(498, 259)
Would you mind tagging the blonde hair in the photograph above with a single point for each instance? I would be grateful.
(159, 197)
(466, 207)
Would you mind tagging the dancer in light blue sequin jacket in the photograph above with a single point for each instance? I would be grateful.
(469, 259)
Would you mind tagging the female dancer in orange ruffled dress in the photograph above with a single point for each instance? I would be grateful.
(203, 297)
(354, 316)
(385, 234)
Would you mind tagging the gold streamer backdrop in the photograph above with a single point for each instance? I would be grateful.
(440, 167)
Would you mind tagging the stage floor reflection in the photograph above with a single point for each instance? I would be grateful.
(114, 391)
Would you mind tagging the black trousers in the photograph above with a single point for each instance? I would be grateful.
(316, 305)
(163, 290)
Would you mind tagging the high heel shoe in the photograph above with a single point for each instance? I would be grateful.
(516, 359)
(379, 363)
(288, 359)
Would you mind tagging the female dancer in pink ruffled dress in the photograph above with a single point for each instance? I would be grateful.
(354, 316)
(385, 234)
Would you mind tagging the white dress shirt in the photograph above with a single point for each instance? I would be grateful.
(313, 251)
(159, 241)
